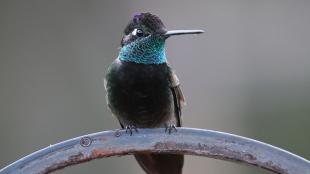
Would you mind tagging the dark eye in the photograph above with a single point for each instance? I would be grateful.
(139, 32)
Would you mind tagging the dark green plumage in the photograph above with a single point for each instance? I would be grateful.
(142, 89)
(140, 94)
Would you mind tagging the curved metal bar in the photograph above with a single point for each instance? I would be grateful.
(188, 141)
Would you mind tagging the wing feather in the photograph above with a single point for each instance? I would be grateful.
(178, 97)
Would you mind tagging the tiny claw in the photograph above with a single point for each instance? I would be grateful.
(129, 129)
(171, 127)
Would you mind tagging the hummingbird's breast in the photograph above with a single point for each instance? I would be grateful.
(139, 94)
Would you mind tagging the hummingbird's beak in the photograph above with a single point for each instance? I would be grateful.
(181, 32)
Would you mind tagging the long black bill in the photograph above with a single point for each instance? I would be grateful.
(181, 32)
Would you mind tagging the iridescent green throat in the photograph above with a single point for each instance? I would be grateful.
(147, 50)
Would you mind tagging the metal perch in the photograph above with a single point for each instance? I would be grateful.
(187, 141)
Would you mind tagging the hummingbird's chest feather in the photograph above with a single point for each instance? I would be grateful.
(139, 92)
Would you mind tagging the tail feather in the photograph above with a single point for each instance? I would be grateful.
(160, 163)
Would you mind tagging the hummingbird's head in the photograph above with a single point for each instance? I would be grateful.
(142, 25)
(144, 39)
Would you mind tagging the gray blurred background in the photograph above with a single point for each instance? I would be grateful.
(249, 74)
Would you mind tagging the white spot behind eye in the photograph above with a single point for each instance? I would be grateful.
(134, 32)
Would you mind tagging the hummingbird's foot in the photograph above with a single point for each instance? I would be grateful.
(130, 128)
(170, 128)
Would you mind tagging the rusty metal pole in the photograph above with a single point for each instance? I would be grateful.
(188, 141)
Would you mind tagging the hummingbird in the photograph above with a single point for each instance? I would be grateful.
(142, 89)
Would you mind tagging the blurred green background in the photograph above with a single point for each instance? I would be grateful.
(249, 74)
